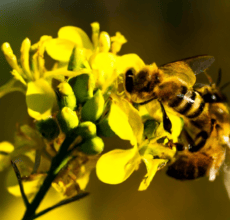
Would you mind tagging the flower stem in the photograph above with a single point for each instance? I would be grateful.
(57, 160)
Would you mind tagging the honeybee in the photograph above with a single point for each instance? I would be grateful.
(172, 85)
(205, 136)
(193, 161)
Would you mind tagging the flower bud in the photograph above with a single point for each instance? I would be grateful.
(83, 86)
(103, 128)
(93, 108)
(104, 41)
(10, 57)
(66, 97)
(86, 130)
(48, 128)
(67, 119)
(25, 52)
(92, 146)
(95, 33)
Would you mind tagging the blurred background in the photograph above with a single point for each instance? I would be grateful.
(158, 31)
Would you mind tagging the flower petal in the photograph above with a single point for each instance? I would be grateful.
(31, 186)
(129, 61)
(103, 65)
(117, 165)
(125, 121)
(60, 49)
(152, 167)
(155, 111)
(5, 149)
(40, 99)
(76, 35)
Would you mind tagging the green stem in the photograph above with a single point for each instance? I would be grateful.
(62, 153)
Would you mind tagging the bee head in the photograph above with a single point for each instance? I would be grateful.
(140, 85)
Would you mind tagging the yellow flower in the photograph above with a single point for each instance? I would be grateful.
(5, 149)
(118, 41)
(30, 80)
(117, 165)
(97, 57)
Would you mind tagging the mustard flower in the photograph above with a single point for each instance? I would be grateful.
(117, 165)
(30, 80)
(75, 103)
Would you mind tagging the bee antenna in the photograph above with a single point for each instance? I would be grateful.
(218, 80)
(224, 86)
(166, 121)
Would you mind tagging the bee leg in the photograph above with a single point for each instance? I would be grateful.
(189, 140)
(218, 80)
(224, 86)
(191, 144)
(166, 121)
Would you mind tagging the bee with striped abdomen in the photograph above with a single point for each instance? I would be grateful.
(205, 158)
(172, 85)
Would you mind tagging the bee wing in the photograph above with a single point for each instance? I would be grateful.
(200, 63)
(199, 85)
(187, 69)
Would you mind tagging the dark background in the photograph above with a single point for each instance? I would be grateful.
(158, 31)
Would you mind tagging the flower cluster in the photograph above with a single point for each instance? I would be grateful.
(82, 97)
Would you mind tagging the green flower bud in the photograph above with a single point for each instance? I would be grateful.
(93, 108)
(48, 128)
(76, 59)
(92, 146)
(86, 130)
(83, 86)
(150, 127)
(67, 119)
(66, 97)
(103, 128)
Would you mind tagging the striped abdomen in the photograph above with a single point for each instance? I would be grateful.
(188, 103)
(190, 166)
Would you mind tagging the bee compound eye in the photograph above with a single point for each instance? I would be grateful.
(129, 81)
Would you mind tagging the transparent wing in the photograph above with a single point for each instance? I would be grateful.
(187, 69)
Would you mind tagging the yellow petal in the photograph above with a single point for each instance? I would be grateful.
(117, 165)
(40, 99)
(155, 149)
(129, 61)
(125, 121)
(103, 65)
(118, 41)
(155, 111)
(63, 72)
(6, 147)
(76, 35)
(60, 49)
(152, 167)
(118, 121)
(30, 186)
